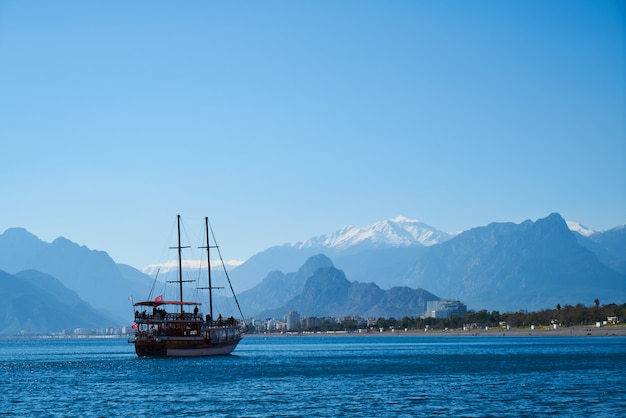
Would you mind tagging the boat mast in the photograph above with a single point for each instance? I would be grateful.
(208, 258)
(180, 266)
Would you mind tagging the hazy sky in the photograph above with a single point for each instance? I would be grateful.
(283, 120)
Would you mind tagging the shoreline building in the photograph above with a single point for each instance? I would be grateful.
(292, 319)
(445, 308)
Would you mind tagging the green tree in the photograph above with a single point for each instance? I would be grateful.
(494, 319)
(382, 323)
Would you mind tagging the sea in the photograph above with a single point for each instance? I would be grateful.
(320, 376)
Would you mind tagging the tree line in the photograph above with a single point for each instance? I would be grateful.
(566, 316)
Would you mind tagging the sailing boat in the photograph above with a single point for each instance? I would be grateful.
(185, 332)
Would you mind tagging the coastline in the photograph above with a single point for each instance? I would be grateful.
(575, 331)
(618, 330)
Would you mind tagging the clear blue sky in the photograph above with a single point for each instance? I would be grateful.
(284, 120)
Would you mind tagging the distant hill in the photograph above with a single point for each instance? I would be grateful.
(320, 289)
(277, 287)
(378, 252)
(507, 266)
(93, 275)
(501, 266)
(609, 246)
(37, 303)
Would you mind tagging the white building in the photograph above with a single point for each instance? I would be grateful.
(445, 308)
(292, 319)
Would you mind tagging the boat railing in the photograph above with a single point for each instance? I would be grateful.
(185, 316)
(165, 316)
(228, 322)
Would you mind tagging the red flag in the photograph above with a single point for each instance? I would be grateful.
(135, 326)
(158, 298)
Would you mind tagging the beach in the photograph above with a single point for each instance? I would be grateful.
(575, 331)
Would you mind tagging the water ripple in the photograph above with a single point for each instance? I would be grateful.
(325, 377)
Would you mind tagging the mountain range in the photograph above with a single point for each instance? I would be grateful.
(36, 303)
(390, 268)
(92, 274)
(375, 253)
(318, 288)
(532, 265)
(501, 266)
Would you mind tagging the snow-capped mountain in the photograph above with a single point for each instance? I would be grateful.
(396, 232)
(504, 266)
(581, 229)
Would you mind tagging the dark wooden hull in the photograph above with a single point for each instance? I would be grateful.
(183, 347)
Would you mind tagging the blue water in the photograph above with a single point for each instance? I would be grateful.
(320, 376)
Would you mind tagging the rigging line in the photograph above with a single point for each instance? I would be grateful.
(153, 283)
(225, 271)
(190, 236)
